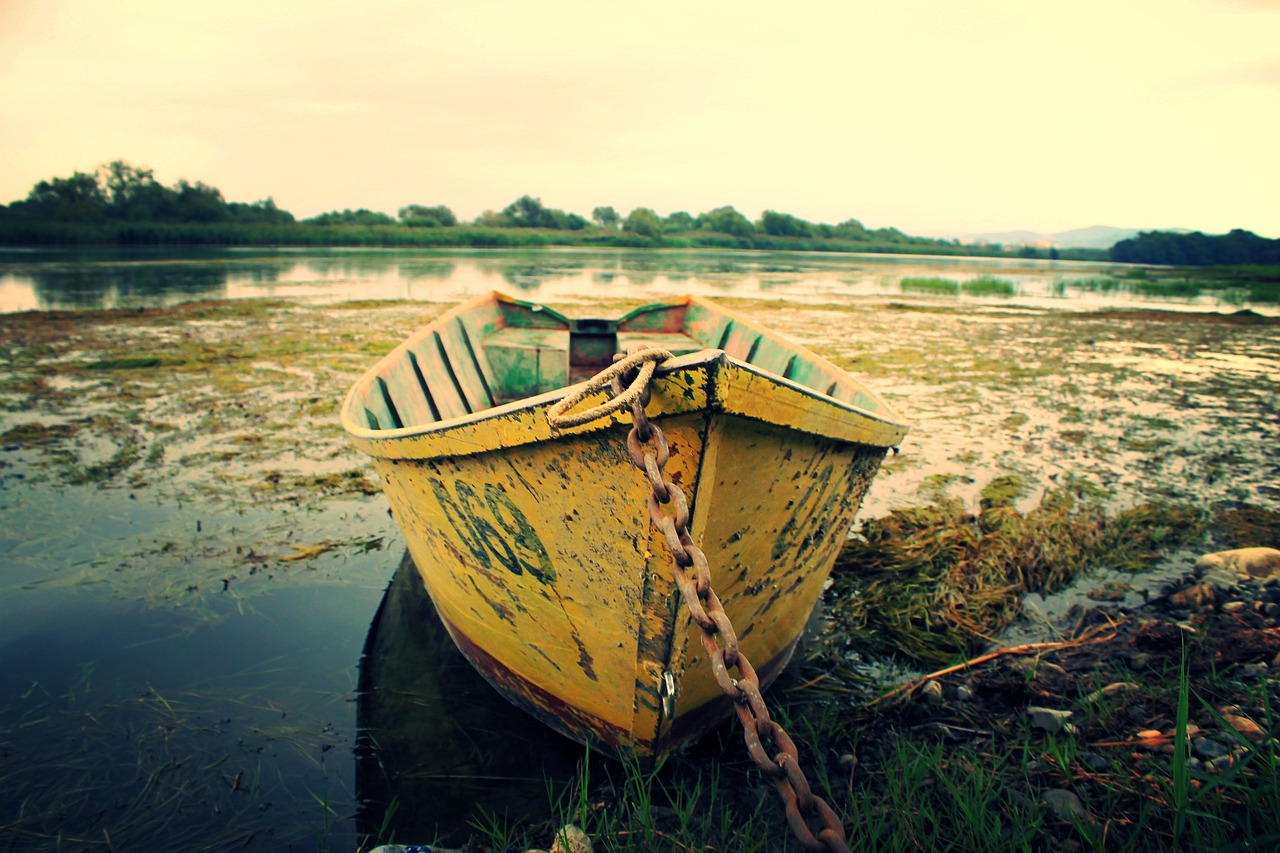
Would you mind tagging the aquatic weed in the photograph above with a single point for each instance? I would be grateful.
(929, 583)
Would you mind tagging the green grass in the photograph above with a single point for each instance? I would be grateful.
(1233, 285)
(929, 284)
(981, 286)
(986, 285)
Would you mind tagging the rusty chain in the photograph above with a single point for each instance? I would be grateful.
(718, 635)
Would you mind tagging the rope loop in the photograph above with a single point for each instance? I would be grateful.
(645, 359)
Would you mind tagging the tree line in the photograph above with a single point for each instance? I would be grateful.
(119, 192)
(124, 204)
(1195, 249)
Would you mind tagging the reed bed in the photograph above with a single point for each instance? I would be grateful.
(929, 584)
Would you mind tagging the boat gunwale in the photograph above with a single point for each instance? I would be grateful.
(382, 443)
(705, 359)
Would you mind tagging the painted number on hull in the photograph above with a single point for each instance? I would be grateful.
(493, 529)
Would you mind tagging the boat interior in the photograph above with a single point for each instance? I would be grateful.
(498, 350)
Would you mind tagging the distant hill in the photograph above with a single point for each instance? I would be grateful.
(1093, 237)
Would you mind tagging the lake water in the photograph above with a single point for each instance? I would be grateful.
(93, 279)
(173, 675)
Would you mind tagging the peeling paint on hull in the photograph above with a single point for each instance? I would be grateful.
(536, 546)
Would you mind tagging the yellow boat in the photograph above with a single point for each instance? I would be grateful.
(536, 544)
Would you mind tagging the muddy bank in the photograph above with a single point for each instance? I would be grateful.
(188, 461)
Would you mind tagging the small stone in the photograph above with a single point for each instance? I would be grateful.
(1193, 597)
(1152, 739)
(1207, 749)
(1235, 607)
(931, 692)
(1064, 804)
(1094, 761)
(1250, 730)
(1141, 660)
(964, 693)
(1256, 562)
(1218, 765)
(1250, 671)
(1048, 719)
(1114, 689)
(848, 761)
(1195, 765)
(570, 839)
(1271, 610)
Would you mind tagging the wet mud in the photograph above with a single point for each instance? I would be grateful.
(188, 461)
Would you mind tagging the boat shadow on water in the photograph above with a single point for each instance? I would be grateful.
(438, 748)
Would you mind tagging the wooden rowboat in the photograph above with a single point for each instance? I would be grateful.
(536, 544)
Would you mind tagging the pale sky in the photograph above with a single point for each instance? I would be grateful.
(939, 117)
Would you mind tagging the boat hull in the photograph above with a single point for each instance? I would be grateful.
(537, 547)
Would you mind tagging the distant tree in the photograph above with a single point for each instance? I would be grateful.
(198, 202)
(644, 222)
(565, 221)
(679, 221)
(784, 225)
(726, 220)
(490, 219)
(123, 192)
(351, 217)
(605, 217)
(134, 194)
(851, 229)
(78, 198)
(421, 216)
(528, 212)
(260, 212)
(890, 235)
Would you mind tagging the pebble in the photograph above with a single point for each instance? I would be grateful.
(1050, 720)
(1114, 689)
(1064, 804)
(1231, 582)
(1250, 671)
(964, 693)
(1257, 562)
(570, 839)
(1207, 749)
(931, 692)
(1218, 765)
(1251, 731)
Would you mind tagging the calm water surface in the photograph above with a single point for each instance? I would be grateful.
(46, 280)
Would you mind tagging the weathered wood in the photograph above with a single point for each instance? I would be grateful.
(536, 545)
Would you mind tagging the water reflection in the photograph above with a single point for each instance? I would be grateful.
(89, 287)
(434, 738)
(39, 281)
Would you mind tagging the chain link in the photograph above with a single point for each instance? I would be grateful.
(719, 638)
